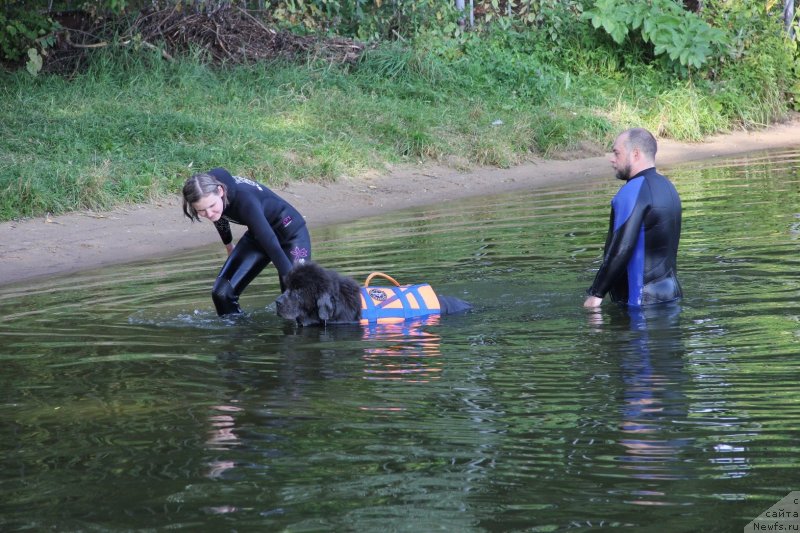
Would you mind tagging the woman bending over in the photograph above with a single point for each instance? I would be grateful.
(276, 232)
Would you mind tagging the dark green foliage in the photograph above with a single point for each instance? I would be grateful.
(132, 124)
(688, 41)
(364, 19)
(764, 63)
(22, 30)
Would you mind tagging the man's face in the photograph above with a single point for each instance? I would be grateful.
(620, 158)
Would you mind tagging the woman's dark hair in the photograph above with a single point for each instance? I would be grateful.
(197, 187)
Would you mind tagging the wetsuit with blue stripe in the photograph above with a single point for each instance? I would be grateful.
(276, 232)
(640, 256)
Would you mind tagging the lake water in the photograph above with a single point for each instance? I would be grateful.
(126, 403)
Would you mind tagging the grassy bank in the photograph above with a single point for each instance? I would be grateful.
(133, 126)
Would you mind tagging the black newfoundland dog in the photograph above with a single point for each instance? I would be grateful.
(317, 296)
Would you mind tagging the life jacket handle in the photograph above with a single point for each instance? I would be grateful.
(387, 276)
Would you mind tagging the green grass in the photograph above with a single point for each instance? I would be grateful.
(133, 128)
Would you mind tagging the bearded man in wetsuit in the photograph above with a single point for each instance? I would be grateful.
(640, 256)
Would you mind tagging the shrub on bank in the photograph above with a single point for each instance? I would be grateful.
(129, 120)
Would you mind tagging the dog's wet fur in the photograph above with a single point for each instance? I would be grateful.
(315, 295)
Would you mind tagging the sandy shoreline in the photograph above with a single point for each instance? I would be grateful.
(49, 246)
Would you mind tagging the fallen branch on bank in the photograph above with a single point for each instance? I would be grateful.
(228, 35)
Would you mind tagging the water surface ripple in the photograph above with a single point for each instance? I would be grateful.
(126, 404)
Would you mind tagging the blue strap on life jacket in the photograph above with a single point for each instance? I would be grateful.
(370, 312)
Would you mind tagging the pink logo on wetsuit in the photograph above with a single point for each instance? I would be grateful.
(286, 221)
(299, 254)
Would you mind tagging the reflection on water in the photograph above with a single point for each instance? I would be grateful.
(408, 351)
(127, 404)
(654, 399)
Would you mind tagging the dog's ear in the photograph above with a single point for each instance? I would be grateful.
(325, 306)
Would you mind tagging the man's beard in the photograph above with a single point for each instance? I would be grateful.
(624, 173)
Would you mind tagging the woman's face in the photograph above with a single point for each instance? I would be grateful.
(210, 206)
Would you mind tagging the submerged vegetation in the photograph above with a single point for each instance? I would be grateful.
(124, 108)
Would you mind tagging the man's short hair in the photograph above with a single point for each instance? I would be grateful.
(643, 140)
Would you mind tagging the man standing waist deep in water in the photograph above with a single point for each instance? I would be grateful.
(640, 255)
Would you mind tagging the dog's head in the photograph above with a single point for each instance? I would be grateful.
(315, 295)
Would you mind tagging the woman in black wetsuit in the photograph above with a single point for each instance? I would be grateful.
(276, 231)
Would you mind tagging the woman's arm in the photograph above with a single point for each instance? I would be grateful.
(256, 220)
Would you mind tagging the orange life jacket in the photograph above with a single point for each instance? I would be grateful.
(398, 303)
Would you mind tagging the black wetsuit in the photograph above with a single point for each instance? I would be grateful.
(276, 232)
(640, 257)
